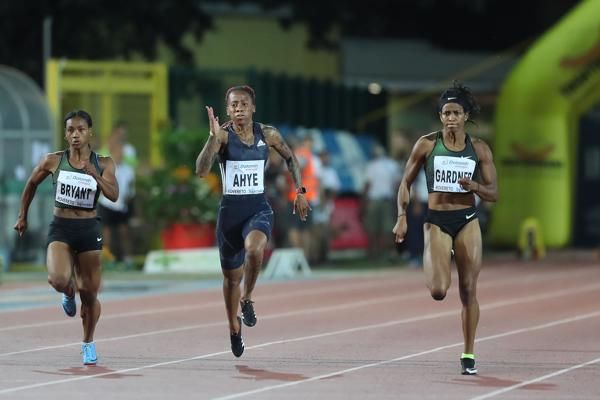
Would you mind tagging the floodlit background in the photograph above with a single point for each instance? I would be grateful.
(358, 79)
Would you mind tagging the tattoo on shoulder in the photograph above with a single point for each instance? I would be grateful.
(272, 135)
(269, 130)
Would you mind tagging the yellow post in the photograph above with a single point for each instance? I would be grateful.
(53, 92)
(159, 114)
(105, 117)
(97, 86)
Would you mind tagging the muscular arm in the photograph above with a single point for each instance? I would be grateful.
(216, 139)
(39, 173)
(107, 182)
(206, 158)
(487, 189)
(274, 139)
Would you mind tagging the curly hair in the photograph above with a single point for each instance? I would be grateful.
(461, 94)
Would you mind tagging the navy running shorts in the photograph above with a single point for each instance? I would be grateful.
(238, 216)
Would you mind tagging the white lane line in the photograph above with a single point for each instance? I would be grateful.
(302, 292)
(536, 380)
(375, 364)
(337, 307)
(122, 371)
(317, 336)
(379, 363)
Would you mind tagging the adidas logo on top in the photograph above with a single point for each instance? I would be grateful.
(260, 143)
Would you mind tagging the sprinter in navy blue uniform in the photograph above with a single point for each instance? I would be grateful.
(245, 217)
(75, 236)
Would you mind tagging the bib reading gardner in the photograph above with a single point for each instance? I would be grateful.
(244, 177)
(448, 170)
(444, 167)
(76, 189)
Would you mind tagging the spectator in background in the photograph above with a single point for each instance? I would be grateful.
(322, 231)
(416, 212)
(299, 232)
(276, 187)
(121, 131)
(115, 214)
(382, 177)
(328, 176)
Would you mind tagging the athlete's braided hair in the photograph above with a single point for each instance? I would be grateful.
(460, 94)
(78, 113)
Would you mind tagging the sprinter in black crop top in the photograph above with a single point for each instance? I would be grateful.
(458, 167)
(75, 236)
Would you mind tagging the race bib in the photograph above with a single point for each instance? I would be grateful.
(448, 170)
(76, 189)
(244, 177)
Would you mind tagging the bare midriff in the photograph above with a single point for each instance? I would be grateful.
(450, 201)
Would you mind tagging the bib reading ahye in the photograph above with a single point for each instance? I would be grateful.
(244, 177)
(243, 164)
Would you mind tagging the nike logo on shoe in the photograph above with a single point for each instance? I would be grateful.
(98, 239)
(470, 215)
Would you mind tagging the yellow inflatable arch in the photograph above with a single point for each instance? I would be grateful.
(537, 121)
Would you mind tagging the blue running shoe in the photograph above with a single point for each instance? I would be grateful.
(69, 305)
(88, 350)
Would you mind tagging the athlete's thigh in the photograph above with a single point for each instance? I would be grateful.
(255, 240)
(59, 260)
(437, 254)
(88, 270)
(467, 252)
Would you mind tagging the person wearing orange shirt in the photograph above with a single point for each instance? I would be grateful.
(299, 232)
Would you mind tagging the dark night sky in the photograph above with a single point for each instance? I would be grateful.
(109, 29)
(451, 24)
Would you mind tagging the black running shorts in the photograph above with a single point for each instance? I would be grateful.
(80, 234)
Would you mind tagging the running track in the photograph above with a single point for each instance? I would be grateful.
(360, 336)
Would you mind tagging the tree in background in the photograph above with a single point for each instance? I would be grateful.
(96, 30)
(117, 29)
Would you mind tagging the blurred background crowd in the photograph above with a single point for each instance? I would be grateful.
(351, 86)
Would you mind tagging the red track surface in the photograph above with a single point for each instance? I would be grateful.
(376, 336)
